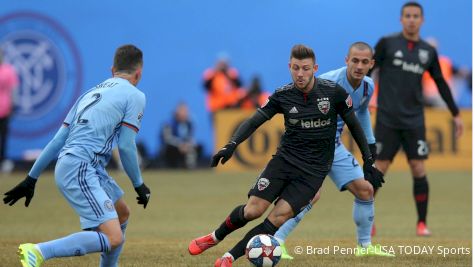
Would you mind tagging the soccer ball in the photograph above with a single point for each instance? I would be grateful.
(263, 250)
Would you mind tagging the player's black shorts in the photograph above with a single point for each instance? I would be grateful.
(282, 180)
(389, 140)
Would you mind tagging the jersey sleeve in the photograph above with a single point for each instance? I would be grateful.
(49, 153)
(363, 114)
(379, 51)
(270, 107)
(134, 111)
(343, 102)
(444, 89)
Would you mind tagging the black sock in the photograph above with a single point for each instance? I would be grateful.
(234, 221)
(421, 196)
(264, 228)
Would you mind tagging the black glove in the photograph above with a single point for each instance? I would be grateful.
(144, 195)
(25, 188)
(372, 175)
(372, 149)
(225, 153)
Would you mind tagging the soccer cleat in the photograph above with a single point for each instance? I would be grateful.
(422, 229)
(373, 230)
(224, 262)
(200, 244)
(285, 255)
(372, 250)
(29, 255)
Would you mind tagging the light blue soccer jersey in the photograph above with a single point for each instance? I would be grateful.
(96, 117)
(345, 167)
(361, 97)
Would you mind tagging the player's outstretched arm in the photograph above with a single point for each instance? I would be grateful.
(371, 174)
(26, 188)
(128, 157)
(242, 133)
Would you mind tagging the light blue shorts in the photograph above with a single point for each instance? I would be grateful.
(90, 191)
(345, 168)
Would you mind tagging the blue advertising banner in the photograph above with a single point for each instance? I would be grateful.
(61, 50)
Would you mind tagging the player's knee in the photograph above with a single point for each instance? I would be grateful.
(417, 168)
(365, 192)
(316, 197)
(255, 207)
(252, 212)
(279, 219)
(115, 239)
(123, 214)
(383, 165)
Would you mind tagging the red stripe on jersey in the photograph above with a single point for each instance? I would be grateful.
(133, 127)
(65, 124)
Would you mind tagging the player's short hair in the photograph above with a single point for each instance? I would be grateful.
(361, 46)
(301, 51)
(414, 4)
(127, 58)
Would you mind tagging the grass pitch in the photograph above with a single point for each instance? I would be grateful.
(185, 205)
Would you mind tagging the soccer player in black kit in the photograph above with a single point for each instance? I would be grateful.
(400, 61)
(295, 173)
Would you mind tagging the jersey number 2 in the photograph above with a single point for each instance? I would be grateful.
(96, 98)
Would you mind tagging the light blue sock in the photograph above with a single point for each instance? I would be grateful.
(290, 224)
(111, 258)
(363, 215)
(77, 244)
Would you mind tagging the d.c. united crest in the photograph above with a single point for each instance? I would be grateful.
(262, 183)
(323, 105)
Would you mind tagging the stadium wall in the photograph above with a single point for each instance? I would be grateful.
(63, 49)
(446, 152)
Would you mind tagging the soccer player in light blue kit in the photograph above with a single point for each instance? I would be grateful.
(111, 110)
(346, 173)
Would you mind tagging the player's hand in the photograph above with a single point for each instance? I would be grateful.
(372, 149)
(25, 188)
(458, 126)
(224, 154)
(144, 195)
(372, 175)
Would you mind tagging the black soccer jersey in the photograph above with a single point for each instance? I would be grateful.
(308, 142)
(401, 65)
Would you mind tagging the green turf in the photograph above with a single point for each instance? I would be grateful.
(185, 205)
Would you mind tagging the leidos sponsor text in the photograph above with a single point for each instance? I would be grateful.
(315, 124)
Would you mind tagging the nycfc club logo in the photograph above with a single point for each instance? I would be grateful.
(109, 205)
(423, 56)
(262, 183)
(323, 105)
(49, 68)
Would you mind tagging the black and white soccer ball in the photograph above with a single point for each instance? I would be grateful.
(263, 250)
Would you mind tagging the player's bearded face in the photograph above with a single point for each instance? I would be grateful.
(302, 71)
(359, 62)
(411, 19)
